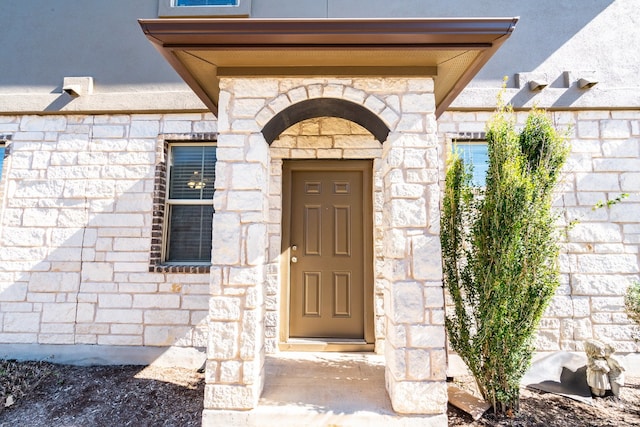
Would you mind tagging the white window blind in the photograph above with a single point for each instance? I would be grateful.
(190, 203)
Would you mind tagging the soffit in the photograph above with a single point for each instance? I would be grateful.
(450, 50)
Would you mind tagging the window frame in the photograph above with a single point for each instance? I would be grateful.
(168, 9)
(160, 221)
(478, 138)
(169, 202)
(5, 142)
(3, 155)
(228, 3)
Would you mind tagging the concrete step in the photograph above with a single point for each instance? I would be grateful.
(322, 389)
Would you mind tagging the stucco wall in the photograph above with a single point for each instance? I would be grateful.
(43, 42)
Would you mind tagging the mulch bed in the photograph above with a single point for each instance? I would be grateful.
(44, 394)
(550, 410)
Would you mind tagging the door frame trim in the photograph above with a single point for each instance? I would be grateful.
(366, 167)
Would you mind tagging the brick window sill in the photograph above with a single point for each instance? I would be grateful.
(173, 268)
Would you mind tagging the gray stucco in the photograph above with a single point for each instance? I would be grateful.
(44, 42)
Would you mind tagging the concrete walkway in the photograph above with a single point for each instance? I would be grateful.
(322, 389)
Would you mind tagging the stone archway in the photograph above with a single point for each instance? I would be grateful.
(325, 107)
(245, 256)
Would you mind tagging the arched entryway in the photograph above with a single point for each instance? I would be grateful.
(326, 265)
(246, 308)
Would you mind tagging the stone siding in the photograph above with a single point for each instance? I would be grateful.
(75, 234)
(599, 258)
(246, 279)
(77, 231)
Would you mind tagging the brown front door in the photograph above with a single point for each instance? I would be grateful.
(329, 227)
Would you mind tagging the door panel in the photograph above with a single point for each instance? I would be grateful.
(342, 230)
(327, 248)
(312, 230)
(342, 294)
(312, 293)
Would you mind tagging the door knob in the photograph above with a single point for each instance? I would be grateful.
(294, 259)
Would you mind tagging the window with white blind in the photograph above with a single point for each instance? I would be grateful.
(189, 203)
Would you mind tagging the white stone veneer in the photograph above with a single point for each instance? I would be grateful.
(600, 257)
(77, 211)
(75, 235)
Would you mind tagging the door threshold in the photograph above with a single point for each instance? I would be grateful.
(326, 344)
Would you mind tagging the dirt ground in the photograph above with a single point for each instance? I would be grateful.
(51, 395)
(550, 410)
(43, 394)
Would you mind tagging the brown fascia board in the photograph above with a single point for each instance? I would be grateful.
(444, 32)
(484, 34)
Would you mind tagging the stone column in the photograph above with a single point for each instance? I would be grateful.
(414, 305)
(235, 359)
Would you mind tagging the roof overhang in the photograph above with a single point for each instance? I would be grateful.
(451, 50)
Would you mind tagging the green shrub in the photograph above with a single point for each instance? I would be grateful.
(500, 252)
(632, 302)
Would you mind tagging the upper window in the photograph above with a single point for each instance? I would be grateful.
(182, 8)
(189, 203)
(474, 153)
(206, 2)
